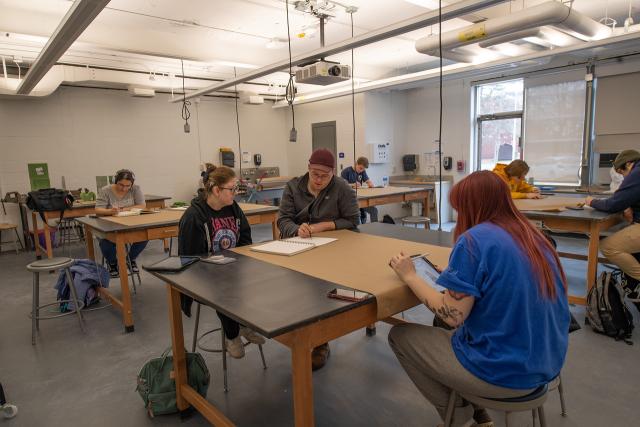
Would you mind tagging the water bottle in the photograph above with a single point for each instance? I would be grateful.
(385, 181)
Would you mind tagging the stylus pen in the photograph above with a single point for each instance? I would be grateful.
(418, 255)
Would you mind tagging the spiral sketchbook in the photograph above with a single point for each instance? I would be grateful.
(292, 246)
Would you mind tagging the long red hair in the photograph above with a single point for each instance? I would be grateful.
(484, 197)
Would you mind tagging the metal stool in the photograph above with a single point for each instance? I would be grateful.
(16, 238)
(222, 349)
(47, 265)
(530, 402)
(415, 220)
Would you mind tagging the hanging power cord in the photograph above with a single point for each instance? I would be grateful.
(235, 88)
(290, 93)
(185, 104)
(440, 121)
(353, 99)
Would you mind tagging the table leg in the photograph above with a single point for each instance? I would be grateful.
(426, 209)
(47, 238)
(127, 314)
(88, 235)
(165, 242)
(177, 342)
(36, 240)
(592, 261)
(302, 382)
(274, 230)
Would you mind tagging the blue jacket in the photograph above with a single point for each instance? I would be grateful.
(87, 275)
(627, 196)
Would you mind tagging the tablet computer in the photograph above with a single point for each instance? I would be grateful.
(172, 264)
(426, 270)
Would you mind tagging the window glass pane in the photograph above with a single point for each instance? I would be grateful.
(554, 122)
(499, 97)
(499, 142)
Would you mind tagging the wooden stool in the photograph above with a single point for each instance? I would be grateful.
(415, 220)
(16, 237)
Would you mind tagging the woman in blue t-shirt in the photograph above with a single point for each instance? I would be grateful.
(505, 295)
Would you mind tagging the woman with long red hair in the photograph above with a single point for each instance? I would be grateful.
(505, 295)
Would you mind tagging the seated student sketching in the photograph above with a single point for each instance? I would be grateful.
(315, 202)
(514, 175)
(620, 247)
(212, 223)
(357, 176)
(505, 293)
(122, 195)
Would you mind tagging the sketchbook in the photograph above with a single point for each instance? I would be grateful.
(292, 246)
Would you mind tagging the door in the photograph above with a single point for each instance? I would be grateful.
(323, 135)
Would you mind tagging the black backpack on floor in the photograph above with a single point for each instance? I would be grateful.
(607, 312)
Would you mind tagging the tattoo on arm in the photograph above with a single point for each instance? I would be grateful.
(448, 313)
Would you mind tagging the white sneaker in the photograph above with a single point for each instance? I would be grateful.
(235, 348)
(251, 336)
(9, 410)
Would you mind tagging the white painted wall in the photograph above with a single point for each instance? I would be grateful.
(82, 133)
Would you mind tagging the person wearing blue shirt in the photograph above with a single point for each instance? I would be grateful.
(357, 176)
(622, 247)
(505, 295)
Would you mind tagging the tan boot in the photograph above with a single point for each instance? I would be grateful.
(251, 336)
(235, 348)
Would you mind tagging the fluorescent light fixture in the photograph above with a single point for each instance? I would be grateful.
(428, 4)
(234, 64)
(275, 43)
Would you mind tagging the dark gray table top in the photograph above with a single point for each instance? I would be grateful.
(420, 235)
(105, 226)
(147, 198)
(267, 298)
(586, 214)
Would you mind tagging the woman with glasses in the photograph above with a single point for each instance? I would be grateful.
(122, 195)
(214, 222)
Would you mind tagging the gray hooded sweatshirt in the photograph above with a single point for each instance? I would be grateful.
(337, 203)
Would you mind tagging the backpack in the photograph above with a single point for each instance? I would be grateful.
(49, 199)
(607, 312)
(158, 389)
(387, 219)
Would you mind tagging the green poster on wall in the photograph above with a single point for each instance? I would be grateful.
(39, 176)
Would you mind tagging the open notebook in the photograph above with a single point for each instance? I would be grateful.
(292, 246)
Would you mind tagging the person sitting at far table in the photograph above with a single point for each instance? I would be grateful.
(620, 247)
(514, 174)
(122, 195)
(357, 176)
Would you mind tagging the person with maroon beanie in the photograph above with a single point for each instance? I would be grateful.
(314, 202)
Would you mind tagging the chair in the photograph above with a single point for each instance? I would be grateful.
(47, 265)
(16, 238)
(415, 220)
(222, 349)
(69, 232)
(531, 402)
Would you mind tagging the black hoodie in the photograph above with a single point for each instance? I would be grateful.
(204, 231)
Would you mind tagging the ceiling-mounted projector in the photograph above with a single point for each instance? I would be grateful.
(323, 73)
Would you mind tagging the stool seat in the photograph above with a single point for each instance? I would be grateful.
(415, 220)
(7, 226)
(50, 264)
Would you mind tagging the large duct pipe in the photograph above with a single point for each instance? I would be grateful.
(550, 13)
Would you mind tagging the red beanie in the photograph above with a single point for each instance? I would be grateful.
(322, 157)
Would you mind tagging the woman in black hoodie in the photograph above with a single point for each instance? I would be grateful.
(214, 222)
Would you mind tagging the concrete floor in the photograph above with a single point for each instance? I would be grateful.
(71, 378)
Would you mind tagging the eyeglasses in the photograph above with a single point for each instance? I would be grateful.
(233, 189)
(123, 186)
(319, 176)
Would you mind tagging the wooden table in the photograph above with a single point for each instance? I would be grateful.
(383, 196)
(79, 209)
(554, 215)
(141, 228)
(284, 304)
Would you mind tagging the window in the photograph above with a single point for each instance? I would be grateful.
(554, 128)
(499, 122)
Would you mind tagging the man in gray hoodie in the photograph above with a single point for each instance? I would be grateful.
(315, 202)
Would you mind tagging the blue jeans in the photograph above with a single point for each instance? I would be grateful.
(109, 250)
(373, 211)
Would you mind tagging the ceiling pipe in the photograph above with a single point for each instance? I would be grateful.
(550, 13)
(461, 8)
(459, 56)
(77, 19)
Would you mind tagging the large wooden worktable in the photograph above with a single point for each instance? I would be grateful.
(554, 215)
(291, 306)
(387, 195)
(78, 210)
(162, 225)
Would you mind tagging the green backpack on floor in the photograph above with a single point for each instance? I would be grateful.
(158, 389)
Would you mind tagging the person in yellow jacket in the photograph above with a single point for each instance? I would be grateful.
(514, 175)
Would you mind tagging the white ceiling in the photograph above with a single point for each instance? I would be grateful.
(213, 35)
